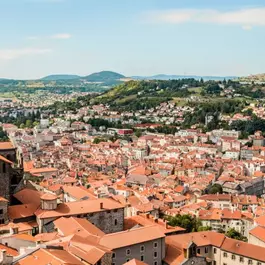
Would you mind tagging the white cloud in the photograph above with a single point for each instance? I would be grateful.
(10, 54)
(62, 36)
(247, 18)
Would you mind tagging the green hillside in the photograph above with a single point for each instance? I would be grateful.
(135, 95)
(104, 77)
(59, 77)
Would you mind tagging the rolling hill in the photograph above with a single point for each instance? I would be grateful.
(103, 76)
(60, 77)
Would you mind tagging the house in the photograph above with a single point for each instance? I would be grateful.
(146, 244)
(202, 247)
(104, 213)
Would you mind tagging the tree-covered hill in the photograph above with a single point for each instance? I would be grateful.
(103, 76)
(134, 95)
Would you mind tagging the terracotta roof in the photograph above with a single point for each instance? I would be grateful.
(79, 226)
(46, 237)
(9, 251)
(26, 237)
(28, 196)
(258, 232)
(78, 192)
(5, 160)
(244, 249)
(21, 211)
(147, 220)
(6, 145)
(131, 237)
(49, 256)
(199, 238)
(42, 170)
(48, 197)
(80, 207)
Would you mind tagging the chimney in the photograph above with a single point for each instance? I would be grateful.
(15, 230)
(148, 216)
(101, 205)
(156, 220)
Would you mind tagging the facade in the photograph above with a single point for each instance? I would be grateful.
(146, 244)
(9, 176)
(215, 248)
(105, 214)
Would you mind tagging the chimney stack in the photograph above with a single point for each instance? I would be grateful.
(101, 205)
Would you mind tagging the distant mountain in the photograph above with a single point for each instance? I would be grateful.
(104, 77)
(171, 77)
(60, 77)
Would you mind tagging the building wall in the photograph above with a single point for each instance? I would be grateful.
(108, 221)
(217, 255)
(255, 241)
(122, 257)
(196, 260)
(17, 243)
(5, 179)
(3, 212)
(229, 260)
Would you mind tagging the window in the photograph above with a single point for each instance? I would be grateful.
(142, 248)
(241, 259)
(258, 263)
(233, 257)
(198, 251)
(142, 258)
(250, 261)
(113, 263)
(4, 168)
(155, 244)
(108, 211)
(116, 210)
(225, 255)
(206, 250)
(128, 252)
(1, 211)
(224, 263)
(2, 221)
(115, 222)
(155, 254)
(113, 255)
(155, 263)
(214, 250)
(128, 260)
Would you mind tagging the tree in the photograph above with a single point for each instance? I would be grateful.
(232, 233)
(186, 221)
(28, 124)
(138, 133)
(214, 189)
(98, 140)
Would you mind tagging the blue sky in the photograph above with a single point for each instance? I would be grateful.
(133, 37)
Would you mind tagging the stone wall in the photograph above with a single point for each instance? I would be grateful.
(3, 212)
(109, 221)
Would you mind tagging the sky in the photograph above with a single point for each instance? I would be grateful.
(132, 37)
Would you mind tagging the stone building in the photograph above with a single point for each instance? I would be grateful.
(104, 213)
(3, 211)
(10, 173)
(146, 244)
